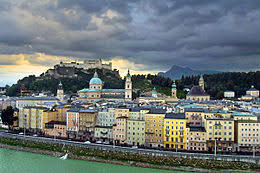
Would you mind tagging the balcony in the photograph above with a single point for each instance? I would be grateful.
(181, 130)
(167, 135)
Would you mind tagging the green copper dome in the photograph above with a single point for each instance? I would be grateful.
(95, 80)
(201, 77)
(154, 91)
(173, 84)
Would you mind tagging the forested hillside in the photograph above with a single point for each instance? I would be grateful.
(215, 84)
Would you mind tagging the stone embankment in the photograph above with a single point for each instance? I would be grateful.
(125, 158)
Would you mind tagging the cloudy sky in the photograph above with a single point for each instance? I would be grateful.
(145, 36)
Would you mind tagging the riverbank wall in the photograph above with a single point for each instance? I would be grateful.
(126, 158)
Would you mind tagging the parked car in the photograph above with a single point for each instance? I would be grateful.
(21, 133)
(106, 142)
(99, 142)
(35, 135)
(87, 142)
(134, 147)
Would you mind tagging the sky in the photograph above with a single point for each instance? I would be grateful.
(145, 36)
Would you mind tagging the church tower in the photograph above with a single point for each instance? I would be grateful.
(174, 90)
(201, 82)
(60, 92)
(128, 87)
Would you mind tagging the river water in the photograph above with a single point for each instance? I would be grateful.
(12, 161)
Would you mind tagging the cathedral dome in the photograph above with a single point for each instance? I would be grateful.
(95, 80)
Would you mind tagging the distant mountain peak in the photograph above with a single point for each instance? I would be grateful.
(176, 72)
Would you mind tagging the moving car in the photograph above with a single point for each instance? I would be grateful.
(87, 142)
(21, 133)
(98, 142)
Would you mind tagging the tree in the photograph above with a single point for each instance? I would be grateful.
(8, 116)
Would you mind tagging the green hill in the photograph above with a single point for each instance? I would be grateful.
(141, 83)
(215, 84)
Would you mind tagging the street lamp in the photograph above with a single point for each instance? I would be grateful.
(215, 151)
(24, 124)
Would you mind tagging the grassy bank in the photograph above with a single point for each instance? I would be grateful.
(133, 158)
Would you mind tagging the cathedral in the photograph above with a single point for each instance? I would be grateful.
(95, 92)
(198, 93)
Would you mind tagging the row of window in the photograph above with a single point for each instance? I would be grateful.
(250, 130)
(172, 140)
(220, 127)
(219, 133)
(219, 122)
(195, 139)
(134, 128)
(177, 127)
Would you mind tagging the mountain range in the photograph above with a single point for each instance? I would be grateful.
(176, 72)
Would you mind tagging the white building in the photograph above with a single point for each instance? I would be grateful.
(253, 92)
(248, 134)
(33, 101)
(229, 94)
(106, 117)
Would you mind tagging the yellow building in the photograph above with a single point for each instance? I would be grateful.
(154, 128)
(196, 139)
(56, 129)
(215, 113)
(194, 116)
(31, 118)
(221, 130)
(49, 115)
(119, 128)
(175, 130)
(87, 121)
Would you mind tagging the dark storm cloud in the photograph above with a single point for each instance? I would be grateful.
(202, 34)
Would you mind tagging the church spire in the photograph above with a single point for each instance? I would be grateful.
(95, 75)
(201, 82)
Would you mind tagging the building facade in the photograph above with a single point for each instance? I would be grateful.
(175, 131)
(247, 135)
(221, 132)
(229, 94)
(196, 139)
(56, 129)
(154, 128)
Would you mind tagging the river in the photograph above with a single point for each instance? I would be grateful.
(12, 161)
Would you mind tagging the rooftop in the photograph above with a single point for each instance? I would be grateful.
(197, 91)
(175, 116)
(157, 111)
(37, 98)
(193, 110)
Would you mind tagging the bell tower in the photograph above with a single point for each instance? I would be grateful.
(128, 87)
(174, 90)
(60, 92)
(201, 82)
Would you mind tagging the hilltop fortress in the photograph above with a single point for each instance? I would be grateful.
(69, 69)
(88, 64)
